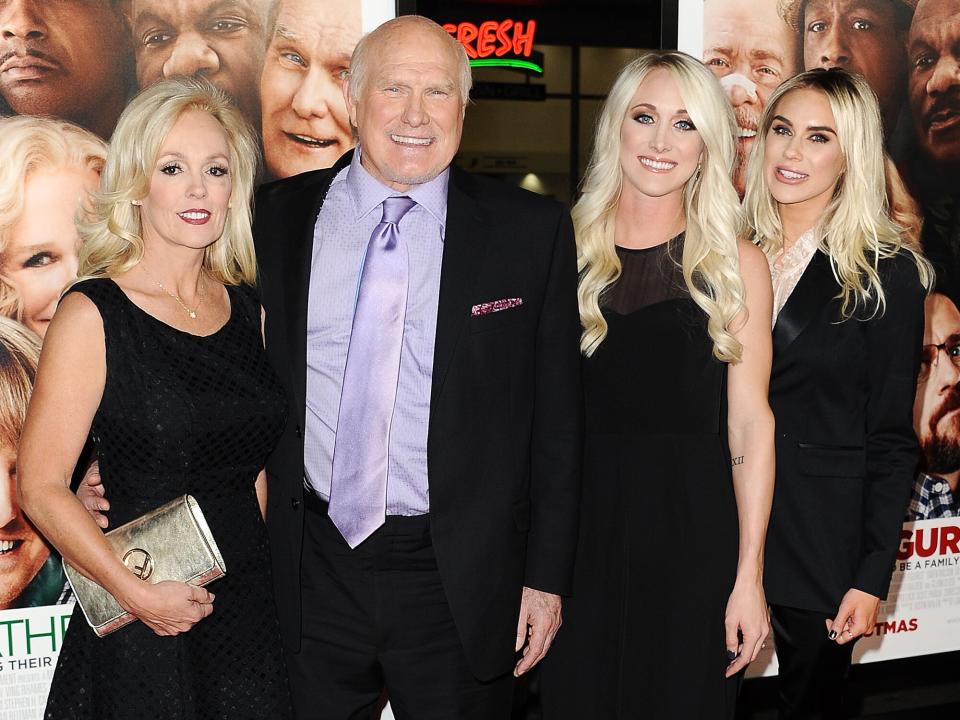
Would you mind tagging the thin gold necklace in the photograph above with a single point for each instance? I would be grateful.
(191, 313)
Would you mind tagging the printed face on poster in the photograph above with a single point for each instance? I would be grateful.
(67, 71)
(905, 49)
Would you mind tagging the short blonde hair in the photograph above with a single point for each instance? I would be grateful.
(29, 144)
(113, 241)
(19, 355)
(857, 228)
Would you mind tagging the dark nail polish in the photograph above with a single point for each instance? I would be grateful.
(832, 635)
(731, 655)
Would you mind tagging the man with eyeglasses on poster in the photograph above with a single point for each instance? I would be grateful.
(936, 413)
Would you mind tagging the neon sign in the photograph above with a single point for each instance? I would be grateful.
(488, 43)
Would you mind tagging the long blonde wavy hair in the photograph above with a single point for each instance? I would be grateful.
(113, 239)
(710, 261)
(858, 228)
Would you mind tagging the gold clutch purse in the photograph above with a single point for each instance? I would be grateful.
(172, 542)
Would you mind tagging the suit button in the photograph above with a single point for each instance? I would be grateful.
(299, 432)
(295, 503)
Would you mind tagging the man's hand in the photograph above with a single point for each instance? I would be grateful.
(91, 494)
(539, 622)
(857, 614)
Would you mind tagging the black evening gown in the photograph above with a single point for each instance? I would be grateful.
(643, 633)
(184, 414)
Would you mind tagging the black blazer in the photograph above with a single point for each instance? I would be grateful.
(842, 394)
(504, 438)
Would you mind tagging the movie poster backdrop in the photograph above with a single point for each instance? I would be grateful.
(81, 61)
(67, 70)
(909, 52)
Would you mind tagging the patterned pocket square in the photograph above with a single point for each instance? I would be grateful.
(495, 306)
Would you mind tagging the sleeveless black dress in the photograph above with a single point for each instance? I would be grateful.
(643, 633)
(184, 414)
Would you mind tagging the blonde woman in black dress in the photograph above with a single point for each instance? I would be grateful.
(668, 605)
(158, 353)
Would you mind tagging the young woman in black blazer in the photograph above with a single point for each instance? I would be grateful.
(847, 329)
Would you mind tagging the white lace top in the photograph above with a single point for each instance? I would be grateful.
(786, 268)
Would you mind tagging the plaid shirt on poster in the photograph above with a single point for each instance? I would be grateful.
(932, 498)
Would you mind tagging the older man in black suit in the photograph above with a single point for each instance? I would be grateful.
(423, 500)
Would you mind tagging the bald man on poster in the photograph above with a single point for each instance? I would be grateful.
(933, 48)
(933, 52)
(936, 492)
(423, 501)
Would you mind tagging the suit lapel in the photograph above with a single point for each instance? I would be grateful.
(817, 286)
(463, 247)
(296, 271)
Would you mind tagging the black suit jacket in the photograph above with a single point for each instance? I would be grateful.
(842, 394)
(504, 439)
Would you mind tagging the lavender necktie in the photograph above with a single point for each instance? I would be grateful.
(358, 485)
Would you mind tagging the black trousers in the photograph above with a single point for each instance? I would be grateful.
(813, 669)
(376, 619)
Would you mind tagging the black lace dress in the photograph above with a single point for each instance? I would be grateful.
(180, 414)
(643, 633)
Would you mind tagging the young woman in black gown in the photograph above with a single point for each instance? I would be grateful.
(159, 354)
(849, 287)
(668, 605)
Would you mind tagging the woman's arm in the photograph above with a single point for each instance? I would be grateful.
(261, 486)
(69, 385)
(892, 355)
(261, 483)
(750, 426)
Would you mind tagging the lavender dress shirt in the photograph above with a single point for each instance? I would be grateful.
(349, 215)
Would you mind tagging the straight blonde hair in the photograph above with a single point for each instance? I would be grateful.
(113, 240)
(710, 261)
(858, 229)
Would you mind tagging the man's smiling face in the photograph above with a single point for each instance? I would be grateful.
(409, 111)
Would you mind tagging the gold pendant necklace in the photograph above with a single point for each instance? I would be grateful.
(192, 314)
